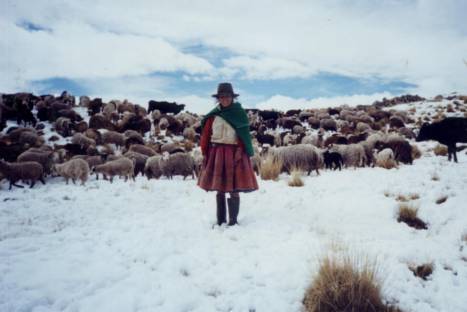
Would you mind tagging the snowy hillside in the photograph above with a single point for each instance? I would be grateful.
(149, 245)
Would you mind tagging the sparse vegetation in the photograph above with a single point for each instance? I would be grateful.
(440, 150)
(441, 200)
(295, 178)
(422, 271)
(464, 237)
(435, 176)
(346, 284)
(408, 215)
(408, 197)
(270, 168)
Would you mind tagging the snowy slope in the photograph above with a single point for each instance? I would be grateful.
(149, 245)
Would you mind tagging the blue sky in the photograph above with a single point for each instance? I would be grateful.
(295, 52)
(320, 85)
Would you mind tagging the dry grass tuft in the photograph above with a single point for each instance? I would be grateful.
(450, 108)
(408, 215)
(464, 237)
(295, 178)
(406, 198)
(441, 200)
(416, 153)
(347, 284)
(270, 168)
(422, 271)
(387, 193)
(440, 150)
(435, 176)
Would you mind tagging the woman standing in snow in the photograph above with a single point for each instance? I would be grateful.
(226, 147)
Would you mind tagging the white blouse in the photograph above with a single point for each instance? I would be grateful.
(222, 132)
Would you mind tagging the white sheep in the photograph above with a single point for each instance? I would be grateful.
(177, 164)
(303, 157)
(385, 159)
(352, 154)
(74, 169)
(123, 167)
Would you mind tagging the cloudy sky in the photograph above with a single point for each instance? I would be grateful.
(280, 54)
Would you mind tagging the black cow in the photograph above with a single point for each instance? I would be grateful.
(266, 115)
(165, 107)
(449, 131)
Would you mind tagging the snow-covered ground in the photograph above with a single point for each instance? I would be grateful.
(150, 245)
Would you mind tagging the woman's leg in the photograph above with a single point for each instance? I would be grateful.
(234, 207)
(221, 211)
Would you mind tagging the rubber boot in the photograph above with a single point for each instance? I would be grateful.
(234, 207)
(221, 211)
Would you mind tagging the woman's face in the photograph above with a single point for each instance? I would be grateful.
(225, 100)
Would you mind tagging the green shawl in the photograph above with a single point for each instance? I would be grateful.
(235, 116)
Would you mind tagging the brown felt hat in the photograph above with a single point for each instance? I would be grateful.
(225, 88)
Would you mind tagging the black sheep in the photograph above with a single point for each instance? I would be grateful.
(332, 158)
(265, 139)
(449, 131)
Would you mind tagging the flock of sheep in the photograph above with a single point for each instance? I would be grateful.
(122, 139)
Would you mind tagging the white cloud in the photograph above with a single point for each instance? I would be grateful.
(417, 41)
(78, 51)
(284, 103)
(267, 68)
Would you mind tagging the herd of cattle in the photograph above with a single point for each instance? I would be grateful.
(45, 136)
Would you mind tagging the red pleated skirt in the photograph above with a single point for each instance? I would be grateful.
(221, 173)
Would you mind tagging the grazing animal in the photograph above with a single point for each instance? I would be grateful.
(152, 169)
(267, 115)
(304, 157)
(74, 169)
(42, 157)
(332, 158)
(142, 149)
(352, 154)
(82, 140)
(113, 137)
(177, 164)
(26, 171)
(265, 139)
(448, 131)
(385, 159)
(139, 161)
(401, 148)
(328, 124)
(123, 167)
(165, 107)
